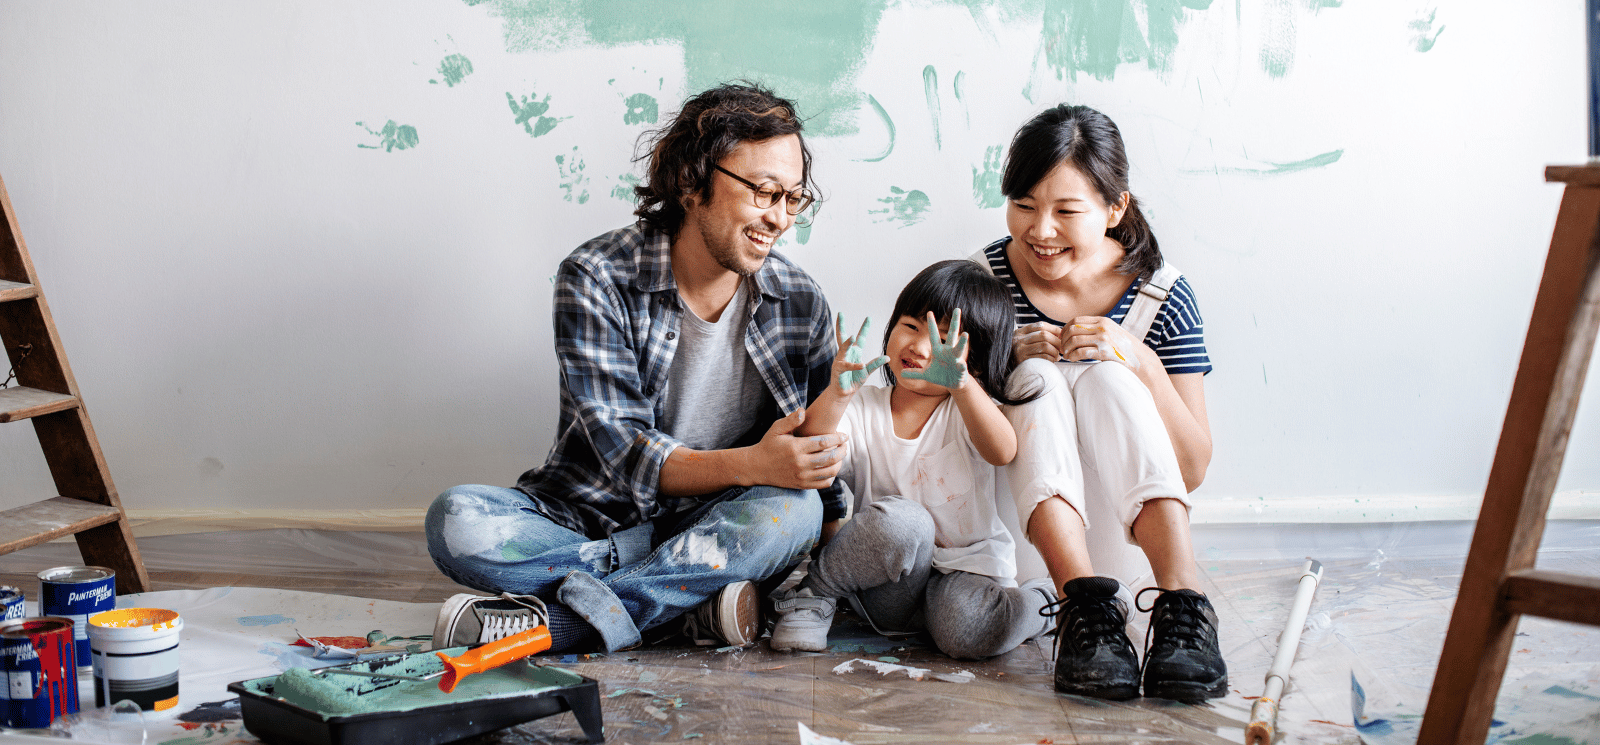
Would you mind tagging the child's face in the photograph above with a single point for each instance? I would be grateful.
(909, 349)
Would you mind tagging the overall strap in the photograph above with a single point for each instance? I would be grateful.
(1142, 313)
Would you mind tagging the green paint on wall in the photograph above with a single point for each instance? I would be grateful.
(642, 109)
(573, 182)
(1423, 35)
(1277, 38)
(1165, 20)
(453, 69)
(930, 91)
(802, 233)
(809, 51)
(905, 207)
(986, 183)
(530, 114)
(1279, 169)
(887, 122)
(624, 188)
(959, 85)
(391, 137)
(1090, 36)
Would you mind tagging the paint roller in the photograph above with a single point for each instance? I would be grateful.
(1264, 714)
(492, 655)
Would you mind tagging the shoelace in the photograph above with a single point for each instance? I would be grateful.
(1180, 624)
(499, 624)
(1099, 630)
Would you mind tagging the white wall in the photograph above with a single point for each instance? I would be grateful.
(262, 314)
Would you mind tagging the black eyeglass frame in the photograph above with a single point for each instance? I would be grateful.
(808, 200)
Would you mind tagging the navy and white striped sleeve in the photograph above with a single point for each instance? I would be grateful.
(1178, 333)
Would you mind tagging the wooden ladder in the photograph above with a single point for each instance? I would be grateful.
(1499, 583)
(46, 393)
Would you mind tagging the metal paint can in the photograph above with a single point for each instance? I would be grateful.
(10, 603)
(136, 657)
(77, 593)
(40, 666)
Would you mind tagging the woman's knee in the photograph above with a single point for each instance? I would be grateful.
(1108, 380)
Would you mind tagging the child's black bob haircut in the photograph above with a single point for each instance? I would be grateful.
(987, 318)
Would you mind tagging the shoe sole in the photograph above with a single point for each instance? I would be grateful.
(1118, 693)
(738, 614)
(1188, 693)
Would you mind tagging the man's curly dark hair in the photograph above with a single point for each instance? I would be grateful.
(682, 154)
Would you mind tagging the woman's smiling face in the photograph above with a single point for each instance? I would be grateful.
(1060, 225)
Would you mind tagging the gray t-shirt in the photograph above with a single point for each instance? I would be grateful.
(713, 390)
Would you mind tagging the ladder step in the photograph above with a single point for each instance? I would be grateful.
(10, 291)
(1574, 598)
(18, 402)
(31, 525)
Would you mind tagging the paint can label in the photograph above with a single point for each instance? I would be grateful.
(136, 657)
(41, 672)
(77, 592)
(10, 603)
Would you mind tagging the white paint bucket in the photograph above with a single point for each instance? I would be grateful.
(135, 654)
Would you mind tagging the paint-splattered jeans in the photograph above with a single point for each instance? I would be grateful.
(490, 538)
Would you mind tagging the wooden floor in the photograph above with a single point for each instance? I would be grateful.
(1379, 619)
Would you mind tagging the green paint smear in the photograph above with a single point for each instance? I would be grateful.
(887, 122)
(642, 109)
(624, 188)
(573, 182)
(530, 113)
(802, 233)
(1420, 40)
(810, 52)
(930, 91)
(1566, 692)
(1093, 37)
(453, 69)
(1542, 739)
(907, 207)
(986, 183)
(391, 137)
(1279, 169)
(331, 694)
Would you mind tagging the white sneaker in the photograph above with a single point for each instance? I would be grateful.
(477, 619)
(803, 622)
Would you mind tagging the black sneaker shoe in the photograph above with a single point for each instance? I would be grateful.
(1093, 655)
(1182, 661)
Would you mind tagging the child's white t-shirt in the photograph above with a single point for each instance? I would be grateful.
(941, 470)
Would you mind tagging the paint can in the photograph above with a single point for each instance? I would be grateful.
(40, 666)
(77, 593)
(136, 657)
(10, 603)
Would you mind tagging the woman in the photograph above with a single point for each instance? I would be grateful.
(1123, 416)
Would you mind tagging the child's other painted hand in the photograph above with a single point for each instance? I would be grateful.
(848, 368)
(1040, 339)
(947, 365)
(1096, 338)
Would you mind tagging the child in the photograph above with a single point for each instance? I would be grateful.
(926, 549)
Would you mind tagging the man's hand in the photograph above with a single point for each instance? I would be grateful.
(786, 461)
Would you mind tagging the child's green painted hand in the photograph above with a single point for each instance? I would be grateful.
(947, 366)
(847, 367)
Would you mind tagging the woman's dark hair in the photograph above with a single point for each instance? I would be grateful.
(681, 154)
(987, 318)
(1089, 140)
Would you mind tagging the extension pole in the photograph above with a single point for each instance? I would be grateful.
(1264, 714)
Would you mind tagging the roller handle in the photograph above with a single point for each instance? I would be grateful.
(492, 655)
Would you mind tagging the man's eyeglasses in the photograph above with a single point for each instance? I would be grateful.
(794, 202)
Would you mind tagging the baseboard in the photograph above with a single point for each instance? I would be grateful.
(1569, 505)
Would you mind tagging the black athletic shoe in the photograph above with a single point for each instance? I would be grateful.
(1182, 661)
(1093, 655)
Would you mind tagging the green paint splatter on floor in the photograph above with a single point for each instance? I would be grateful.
(887, 122)
(530, 113)
(906, 207)
(624, 188)
(642, 109)
(391, 137)
(573, 182)
(986, 183)
(810, 52)
(452, 70)
(1421, 40)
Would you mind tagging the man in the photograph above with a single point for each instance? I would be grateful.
(688, 352)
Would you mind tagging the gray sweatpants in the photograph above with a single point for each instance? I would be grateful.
(884, 557)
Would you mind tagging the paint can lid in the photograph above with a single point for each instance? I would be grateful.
(74, 575)
(7, 591)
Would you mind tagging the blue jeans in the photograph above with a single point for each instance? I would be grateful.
(491, 538)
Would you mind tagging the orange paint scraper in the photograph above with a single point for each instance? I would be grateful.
(492, 655)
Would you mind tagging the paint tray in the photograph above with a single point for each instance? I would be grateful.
(417, 712)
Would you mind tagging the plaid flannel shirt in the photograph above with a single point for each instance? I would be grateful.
(617, 312)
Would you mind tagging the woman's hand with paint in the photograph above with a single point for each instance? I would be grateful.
(1041, 339)
(947, 364)
(1096, 338)
(848, 369)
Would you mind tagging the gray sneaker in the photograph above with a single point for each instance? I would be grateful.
(476, 619)
(732, 617)
(803, 621)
